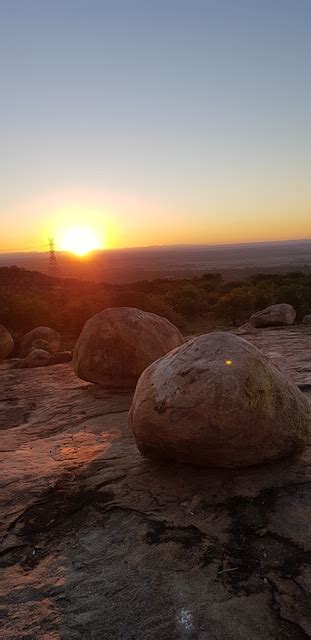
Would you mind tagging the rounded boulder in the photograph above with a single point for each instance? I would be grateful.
(218, 401)
(61, 357)
(117, 345)
(41, 344)
(277, 315)
(50, 336)
(307, 320)
(35, 358)
(6, 343)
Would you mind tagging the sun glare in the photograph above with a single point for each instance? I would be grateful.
(80, 241)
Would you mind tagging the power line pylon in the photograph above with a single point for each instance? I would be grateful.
(53, 265)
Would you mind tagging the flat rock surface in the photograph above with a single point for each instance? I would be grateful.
(289, 348)
(99, 543)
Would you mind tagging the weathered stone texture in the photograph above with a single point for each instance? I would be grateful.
(99, 543)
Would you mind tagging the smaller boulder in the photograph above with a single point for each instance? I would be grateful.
(307, 320)
(6, 343)
(36, 358)
(61, 357)
(277, 315)
(115, 346)
(51, 336)
(42, 344)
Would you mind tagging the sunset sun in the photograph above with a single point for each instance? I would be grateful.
(80, 241)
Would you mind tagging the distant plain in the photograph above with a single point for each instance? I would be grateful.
(234, 262)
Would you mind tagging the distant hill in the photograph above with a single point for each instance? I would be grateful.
(234, 262)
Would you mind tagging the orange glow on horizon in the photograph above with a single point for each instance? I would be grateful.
(80, 241)
(122, 221)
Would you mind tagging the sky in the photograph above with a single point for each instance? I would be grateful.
(154, 121)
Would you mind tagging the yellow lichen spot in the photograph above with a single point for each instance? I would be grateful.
(228, 362)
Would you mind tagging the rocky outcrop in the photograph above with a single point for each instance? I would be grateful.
(61, 357)
(6, 343)
(35, 358)
(217, 401)
(116, 346)
(275, 315)
(91, 531)
(51, 336)
(307, 320)
(41, 358)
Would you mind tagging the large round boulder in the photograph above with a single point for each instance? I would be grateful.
(115, 346)
(218, 401)
(6, 343)
(51, 336)
(276, 315)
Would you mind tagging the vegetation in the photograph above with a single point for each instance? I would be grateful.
(29, 299)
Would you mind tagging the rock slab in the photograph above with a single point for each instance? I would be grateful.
(91, 531)
(115, 346)
(218, 401)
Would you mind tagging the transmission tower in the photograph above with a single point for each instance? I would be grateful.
(53, 265)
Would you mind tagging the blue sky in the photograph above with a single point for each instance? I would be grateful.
(159, 121)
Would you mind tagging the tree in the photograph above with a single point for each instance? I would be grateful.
(187, 300)
(236, 306)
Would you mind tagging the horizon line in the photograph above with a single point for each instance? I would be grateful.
(161, 246)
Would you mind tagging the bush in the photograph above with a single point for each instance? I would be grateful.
(20, 313)
(236, 306)
(29, 299)
(265, 295)
(187, 300)
(153, 304)
(298, 296)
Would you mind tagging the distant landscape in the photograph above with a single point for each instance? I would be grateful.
(233, 262)
(196, 304)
